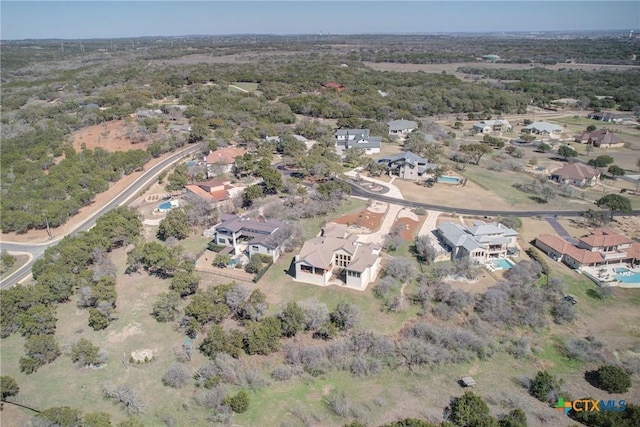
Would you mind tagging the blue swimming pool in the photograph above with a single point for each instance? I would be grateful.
(449, 179)
(502, 264)
(625, 275)
(164, 206)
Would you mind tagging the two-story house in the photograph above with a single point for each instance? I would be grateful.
(247, 236)
(337, 257)
(408, 165)
(490, 126)
(401, 127)
(358, 138)
(222, 161)
(480, 242)
(602, 247)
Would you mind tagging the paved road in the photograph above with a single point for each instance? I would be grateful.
(37, 249)
(361, 192)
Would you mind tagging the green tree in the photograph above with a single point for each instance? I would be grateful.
(544, 147)
(291, 319)
(475, 151)
(178, 178)
(221, 261)
(238, 403)
(565, 151)
(616, 170)
(516, 418)
(471, 410)
(601, 161)
(8, 387)
(166, 307)
(250, 194)
(199, 132)
(263, 337)
(38, 319)
(62, 416)
(544, 386)
(40, 349)
(185, 283)
(97, 319)
(591, 128)
(174, 224)
(254, 265)
(85, 353)
(96, 419)
(612, 379)
(615, 203)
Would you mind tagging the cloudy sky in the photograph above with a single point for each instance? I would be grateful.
(112, 19)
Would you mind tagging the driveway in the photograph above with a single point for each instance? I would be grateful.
(393, 190)
(378, 236)
(558, 228)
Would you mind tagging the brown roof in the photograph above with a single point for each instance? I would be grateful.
(563, 247)
(604, 136)
(319, 251)
(204, 195)
(605, 237)
(576, 171)
(225, 155)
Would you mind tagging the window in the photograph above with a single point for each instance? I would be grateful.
(255, 248)
(353, 273)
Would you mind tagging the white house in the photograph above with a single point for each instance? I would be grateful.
(247, 235)
(337, 257)
(358, 138)
(408, 165)
(480, 242)
(401, 127)
(543, 128)
(490, 126)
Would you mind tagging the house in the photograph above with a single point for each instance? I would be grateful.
(602, 247)
(480, 242)
(358, 138)
(222, 160)
(601, 138)
(337, 257)
(489, 126)
(578, 174)
(408, 165)
(609, 117)
(333, 85)
(401, 127)
(248, 236)
(213, 192)
(543, 128)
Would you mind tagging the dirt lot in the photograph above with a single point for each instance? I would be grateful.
(365, 219)
(409, 223)
(112, 136)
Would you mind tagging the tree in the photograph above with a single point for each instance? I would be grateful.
(221, 261)
(174, 224)
(345, 316)
(254, 265)
(62, 416)
(424, 250)
(591, 128)
(97, 319)
(354, 156)
(176, 376)
(475, 151)
(612, 379)
(40, 350)
(565, 151)
(165, 308)
(250, 194)
(545, 387)
(616, 170)
(291, 319)
(85, 353)
(516, 418)
(601, 161)
(238, 403)
(185, 283)
(544, 147)
(400, 268)
(8, 387)
(471, 410)
(263, 337)
(96, 419)
(615, 203)
(178, 178)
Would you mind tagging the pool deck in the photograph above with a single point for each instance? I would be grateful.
(606, 275)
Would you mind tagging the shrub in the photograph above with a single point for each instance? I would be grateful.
(125, 395)
(471, 410)
(176, 376)
(545, 387)
(85, 353)
(612, 379)
(238, 403)
(8, 387)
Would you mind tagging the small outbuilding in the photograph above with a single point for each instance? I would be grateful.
(467, 382)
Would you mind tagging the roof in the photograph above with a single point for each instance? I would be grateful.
(402, 124)
(610, 115)
(236, 223)
(604, 136)
(353, 132)
(407, 157)
(484, 123)
(604, 237)
(543, 127)
(204, 195)
(332, 229)
(214, 183)
(563, 247)
(576, 171)
(481, 228)
(318, 252)
(225, 155)
(480, 235)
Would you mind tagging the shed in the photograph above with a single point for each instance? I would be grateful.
(468, 382)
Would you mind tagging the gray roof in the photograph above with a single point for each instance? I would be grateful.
(543, 127)
(236, 224)
(402, 124)
(364, 143)
(341, 132)
(409, 158)
(479, 235)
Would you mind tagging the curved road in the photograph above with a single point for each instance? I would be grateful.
(36, 250)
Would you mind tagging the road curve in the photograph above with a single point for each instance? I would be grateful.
(37, 249)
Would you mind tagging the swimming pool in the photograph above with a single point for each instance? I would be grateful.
(502, 264)
(165, 206)
(625, 275)
(449, 179)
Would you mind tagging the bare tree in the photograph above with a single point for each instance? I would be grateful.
(176, 376)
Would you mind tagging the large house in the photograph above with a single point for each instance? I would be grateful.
(358, 138)
(480, 242)
(408, 165)
(602, 247)
(601, 138)
(401, 127)
(222, 161)
(609, 117)
(248, 236)
(337, 257)
(489, 126)
(578, 174)
(543, 128)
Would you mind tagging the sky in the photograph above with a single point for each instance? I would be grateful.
(113, 19)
